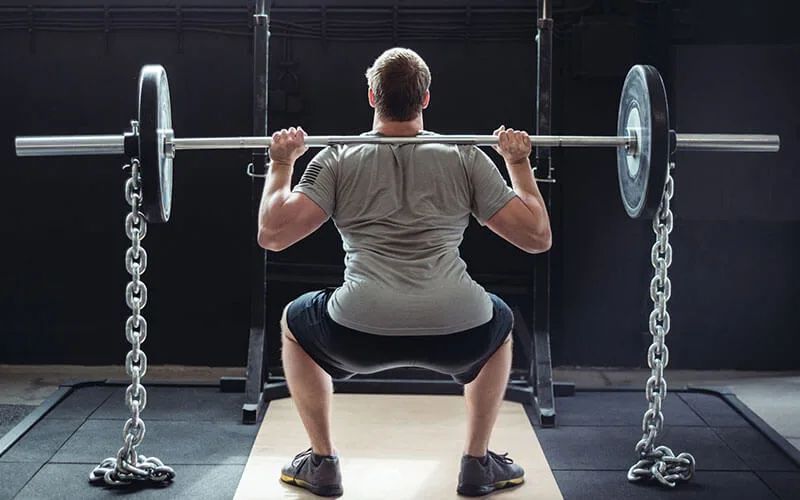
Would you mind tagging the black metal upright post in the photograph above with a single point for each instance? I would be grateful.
(541, 372)
(257, 344)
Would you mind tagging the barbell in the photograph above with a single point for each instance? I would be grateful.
(644, 142)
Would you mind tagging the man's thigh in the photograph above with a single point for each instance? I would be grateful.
(286, 332)
(305, 321)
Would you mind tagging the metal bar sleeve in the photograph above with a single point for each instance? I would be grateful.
(70, 145)
(728, 142)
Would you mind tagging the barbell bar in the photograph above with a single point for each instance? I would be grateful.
(644, 142)
(115, 144)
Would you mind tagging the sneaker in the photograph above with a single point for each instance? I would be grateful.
(481, 476)
(319, 475)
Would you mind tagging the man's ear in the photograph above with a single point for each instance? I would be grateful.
(427, 99)
(371, 96)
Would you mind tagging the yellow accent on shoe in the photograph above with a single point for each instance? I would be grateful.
(512, 482)
(292, 480)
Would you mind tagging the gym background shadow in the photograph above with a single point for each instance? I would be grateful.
(730, 67)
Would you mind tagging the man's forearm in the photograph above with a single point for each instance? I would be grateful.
(524, 184)
(277, 189)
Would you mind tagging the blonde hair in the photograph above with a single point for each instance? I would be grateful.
(399, 79)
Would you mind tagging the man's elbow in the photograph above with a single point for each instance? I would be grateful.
(270, 240)
(540, 242)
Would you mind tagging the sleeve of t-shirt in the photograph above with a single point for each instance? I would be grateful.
(319, 180)
(490, 191)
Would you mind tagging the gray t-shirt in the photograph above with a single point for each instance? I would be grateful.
(401, 211)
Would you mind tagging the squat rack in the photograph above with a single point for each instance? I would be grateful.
(534, 387)
(536, 390)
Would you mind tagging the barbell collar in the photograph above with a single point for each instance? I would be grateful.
(728, 142)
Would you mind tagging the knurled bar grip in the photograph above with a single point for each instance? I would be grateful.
(115, 144)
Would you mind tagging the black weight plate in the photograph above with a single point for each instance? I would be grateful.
(643, 170)
(155, 122)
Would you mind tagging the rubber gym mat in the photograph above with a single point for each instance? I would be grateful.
(197, 430)
(611, 448)
(612, 485)
(10, 415)
(712, 410)
(81, 404)
(737, 455)
(13, 477)
(43, 441)
(186, 442)
(784, 484)
(623, 409)
(194, 482)
(190, 403)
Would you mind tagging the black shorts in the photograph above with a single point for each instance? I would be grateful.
(343, 352)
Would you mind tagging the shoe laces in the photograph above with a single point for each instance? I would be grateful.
(500, 458)
(302, 456)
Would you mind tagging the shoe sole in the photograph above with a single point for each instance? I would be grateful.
(323, 491)
(472, 490)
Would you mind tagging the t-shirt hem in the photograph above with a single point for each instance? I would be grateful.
(410, 331)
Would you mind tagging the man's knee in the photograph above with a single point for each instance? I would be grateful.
(509, 339)
(286, 334)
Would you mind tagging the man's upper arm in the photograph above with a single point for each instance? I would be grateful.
(313, 199)
(318, 182)
(490, 191)
(497, 206)
(304, 217)
(513, 223)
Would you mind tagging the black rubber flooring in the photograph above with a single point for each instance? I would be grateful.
(592, 448)
(197, 430)
(10, 415)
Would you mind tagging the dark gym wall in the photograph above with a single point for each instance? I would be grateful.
(734, 275)
(64, 244)
(62, 295)
(67, 278)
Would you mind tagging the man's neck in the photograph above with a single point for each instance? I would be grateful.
(397, 129)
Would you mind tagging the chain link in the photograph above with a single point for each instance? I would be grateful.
(128, 466)
(659, 462)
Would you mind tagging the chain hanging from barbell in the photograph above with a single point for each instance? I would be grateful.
(659, 462)
(128, 466)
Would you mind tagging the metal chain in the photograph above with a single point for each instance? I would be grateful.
(128, 466)
(659, 462)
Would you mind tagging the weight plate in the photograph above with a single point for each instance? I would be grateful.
(643, 168)
(155, 123)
